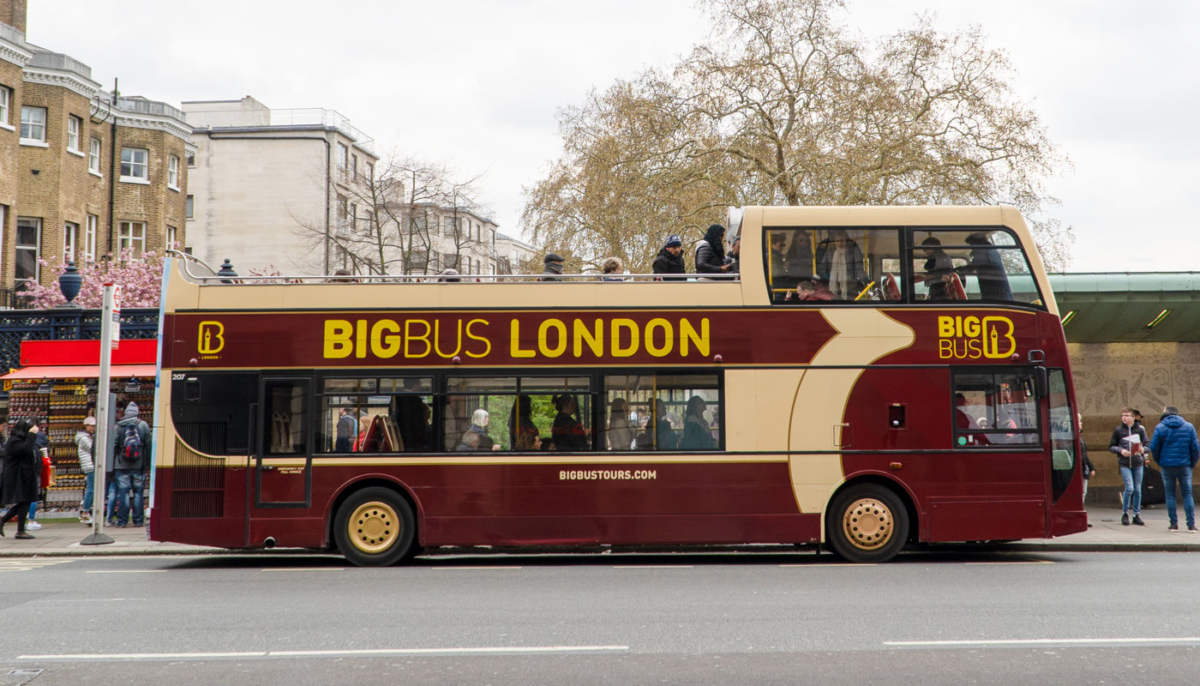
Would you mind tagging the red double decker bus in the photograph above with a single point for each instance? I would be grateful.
(876, 376)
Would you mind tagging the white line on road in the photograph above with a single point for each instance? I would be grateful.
(451, 569)
(383, 652)
(1015, 562)
(1046, 641)
(125, 571)
(822, 565)
(305, 569)
(653, 567)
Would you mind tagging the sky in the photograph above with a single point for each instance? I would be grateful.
(479, 83)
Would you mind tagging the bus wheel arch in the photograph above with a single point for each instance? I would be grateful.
(870, 519)
(374, 522)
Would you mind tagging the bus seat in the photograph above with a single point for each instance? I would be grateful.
(891, 289)
(957, 292)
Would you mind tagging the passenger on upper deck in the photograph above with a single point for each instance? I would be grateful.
(810, 290)
(553, 269)
(611, 269)
(798, 263)
(778, 263)
(840, 265)
(938, 270)
(710, 252)
(988, 268)
(670, 260)
(733, 259)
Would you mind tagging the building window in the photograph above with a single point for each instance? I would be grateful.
(343, 153)
(370, 172)
(132, 235)
(135, 165)
(5, 97)
(33, 124)
(191, 158)
(74, 126)
(173, 172)
(29, 249)
(190, 208)
(172, 238)
(343, 213)
(70, 240)
(89, 237)
(94, 157)
(354, 167)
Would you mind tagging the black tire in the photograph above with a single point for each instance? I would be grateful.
(375, 527)
(867, 524)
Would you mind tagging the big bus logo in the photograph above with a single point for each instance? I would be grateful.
(973, 338)
(211, 338)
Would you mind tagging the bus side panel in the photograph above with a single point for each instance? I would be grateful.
(556, 504)
(186, 516)
(962, 495)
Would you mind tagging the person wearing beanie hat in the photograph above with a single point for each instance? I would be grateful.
(84, 441)
(131, 448)
(554, 267)
(670, 259)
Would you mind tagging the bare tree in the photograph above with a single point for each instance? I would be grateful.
(394, 221)
(782, 105)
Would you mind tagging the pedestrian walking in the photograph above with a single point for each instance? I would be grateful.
(1128, 443)
(1176, 450)
(20, 481)
(85, 442)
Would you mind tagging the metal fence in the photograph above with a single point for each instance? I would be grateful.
(65, 325)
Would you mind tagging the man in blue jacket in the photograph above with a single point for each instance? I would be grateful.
(1176, 449)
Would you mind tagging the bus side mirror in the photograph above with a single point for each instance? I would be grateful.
(1041, 380)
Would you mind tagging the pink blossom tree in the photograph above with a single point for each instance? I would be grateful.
(140, 279)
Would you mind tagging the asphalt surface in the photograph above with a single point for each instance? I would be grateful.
(934, 618)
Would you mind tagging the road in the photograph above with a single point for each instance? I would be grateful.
(603, 619)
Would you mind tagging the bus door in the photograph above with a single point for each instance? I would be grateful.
(282, 458)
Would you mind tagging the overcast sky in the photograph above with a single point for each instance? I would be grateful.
(478, 83)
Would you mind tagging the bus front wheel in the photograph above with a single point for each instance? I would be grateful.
(867, 523)
(375, 527)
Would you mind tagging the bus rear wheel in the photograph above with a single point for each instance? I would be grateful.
(375, 527)
(867, 524)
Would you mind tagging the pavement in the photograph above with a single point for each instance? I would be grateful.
(63, 538)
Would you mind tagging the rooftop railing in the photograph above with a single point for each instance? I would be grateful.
(12, 35)
(306, 116)
(55, 60)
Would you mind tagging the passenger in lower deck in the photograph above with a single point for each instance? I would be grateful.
(696, 434)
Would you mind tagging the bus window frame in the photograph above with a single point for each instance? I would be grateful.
(1034, 447)
(866, 302)
(907, 260)
(319, 393)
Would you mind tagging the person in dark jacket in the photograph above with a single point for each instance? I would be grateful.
(568, 432)
(22, 463)
(130, 464)
(710, 252)
(988, 268)
(1176, 450)
(1128, 443)
(553, 267)
(670, 260)
(1088, 470)
(696, 435)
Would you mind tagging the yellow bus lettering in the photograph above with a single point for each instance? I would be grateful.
(595, 341)
(409, 337)
(516, 342)
(338, 338)
(634, 337)
(487, 345)
(437, 339)
(688, 334)
(668, 337)
(385, 338)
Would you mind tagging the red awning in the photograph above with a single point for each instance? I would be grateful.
(81, 371)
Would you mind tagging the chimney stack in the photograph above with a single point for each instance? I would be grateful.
(12, 12)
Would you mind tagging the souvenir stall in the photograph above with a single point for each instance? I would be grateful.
(57, 384)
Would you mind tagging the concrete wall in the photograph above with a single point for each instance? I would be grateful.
(1146, 376)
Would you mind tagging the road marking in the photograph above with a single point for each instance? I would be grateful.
(821, 565)
(25, 565)
(137, 656)
(473, 568)
(1046, 641)
(489, 650)
(1015, 562)
(86, 600)
(126, 571)
(305, 569)
(653, 566)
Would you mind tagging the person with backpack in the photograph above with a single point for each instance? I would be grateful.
(131, 446)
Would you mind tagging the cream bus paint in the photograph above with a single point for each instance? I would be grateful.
(863, 336)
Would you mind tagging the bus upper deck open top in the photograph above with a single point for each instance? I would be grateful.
(877, 375)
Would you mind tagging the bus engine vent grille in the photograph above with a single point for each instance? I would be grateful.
(198, 489)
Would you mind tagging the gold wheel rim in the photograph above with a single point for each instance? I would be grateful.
(868, 524)
(374, 527)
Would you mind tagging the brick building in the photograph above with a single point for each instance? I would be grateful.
(83, 174)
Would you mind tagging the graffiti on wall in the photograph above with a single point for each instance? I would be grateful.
(1105, 389)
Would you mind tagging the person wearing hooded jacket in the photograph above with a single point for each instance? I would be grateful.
(670, 260)
(130, 469)
(710, 252)
(1176, 450)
